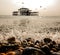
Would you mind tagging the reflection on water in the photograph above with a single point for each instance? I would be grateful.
(23, 27)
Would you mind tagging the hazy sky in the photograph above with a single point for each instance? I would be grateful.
(45, 7)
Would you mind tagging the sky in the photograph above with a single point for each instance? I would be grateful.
(44, 7)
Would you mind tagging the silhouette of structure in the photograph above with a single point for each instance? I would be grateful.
(25, 12)
(15, 13)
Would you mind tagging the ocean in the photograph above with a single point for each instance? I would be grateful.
(37, 27)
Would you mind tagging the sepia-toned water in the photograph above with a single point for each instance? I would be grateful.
(36, 27)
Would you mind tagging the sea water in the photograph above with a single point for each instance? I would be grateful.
(37, 27)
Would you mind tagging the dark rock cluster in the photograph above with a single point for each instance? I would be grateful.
(29, 47)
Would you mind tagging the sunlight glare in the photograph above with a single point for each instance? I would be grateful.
(34, 3)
